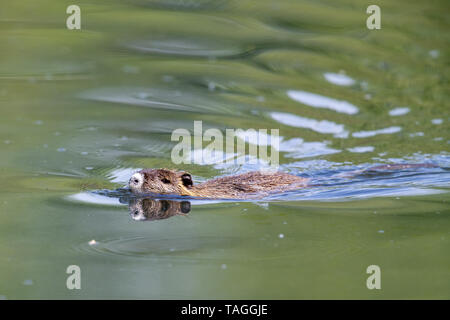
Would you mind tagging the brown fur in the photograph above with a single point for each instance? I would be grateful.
(248, 185)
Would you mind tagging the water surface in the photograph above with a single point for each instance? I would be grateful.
(82, 110)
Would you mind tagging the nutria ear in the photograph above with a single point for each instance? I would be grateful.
(186, 179)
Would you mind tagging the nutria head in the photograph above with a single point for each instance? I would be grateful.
(161, 181)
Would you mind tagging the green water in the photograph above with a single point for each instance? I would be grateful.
(82, 109)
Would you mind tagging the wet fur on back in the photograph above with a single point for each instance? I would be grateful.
(251, 184)
(254, 184)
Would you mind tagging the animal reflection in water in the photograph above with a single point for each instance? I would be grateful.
(150, 209)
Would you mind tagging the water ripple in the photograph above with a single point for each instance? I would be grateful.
(321, 126)
(319, 101)
(339, 79)
(149, 247)
(399, 111)
(160, 98)
(371, 133)
(187, 47)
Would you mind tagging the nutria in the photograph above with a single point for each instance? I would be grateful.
(254, 184)
(150, 209)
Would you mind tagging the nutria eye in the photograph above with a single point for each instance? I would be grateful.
(165, 180)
